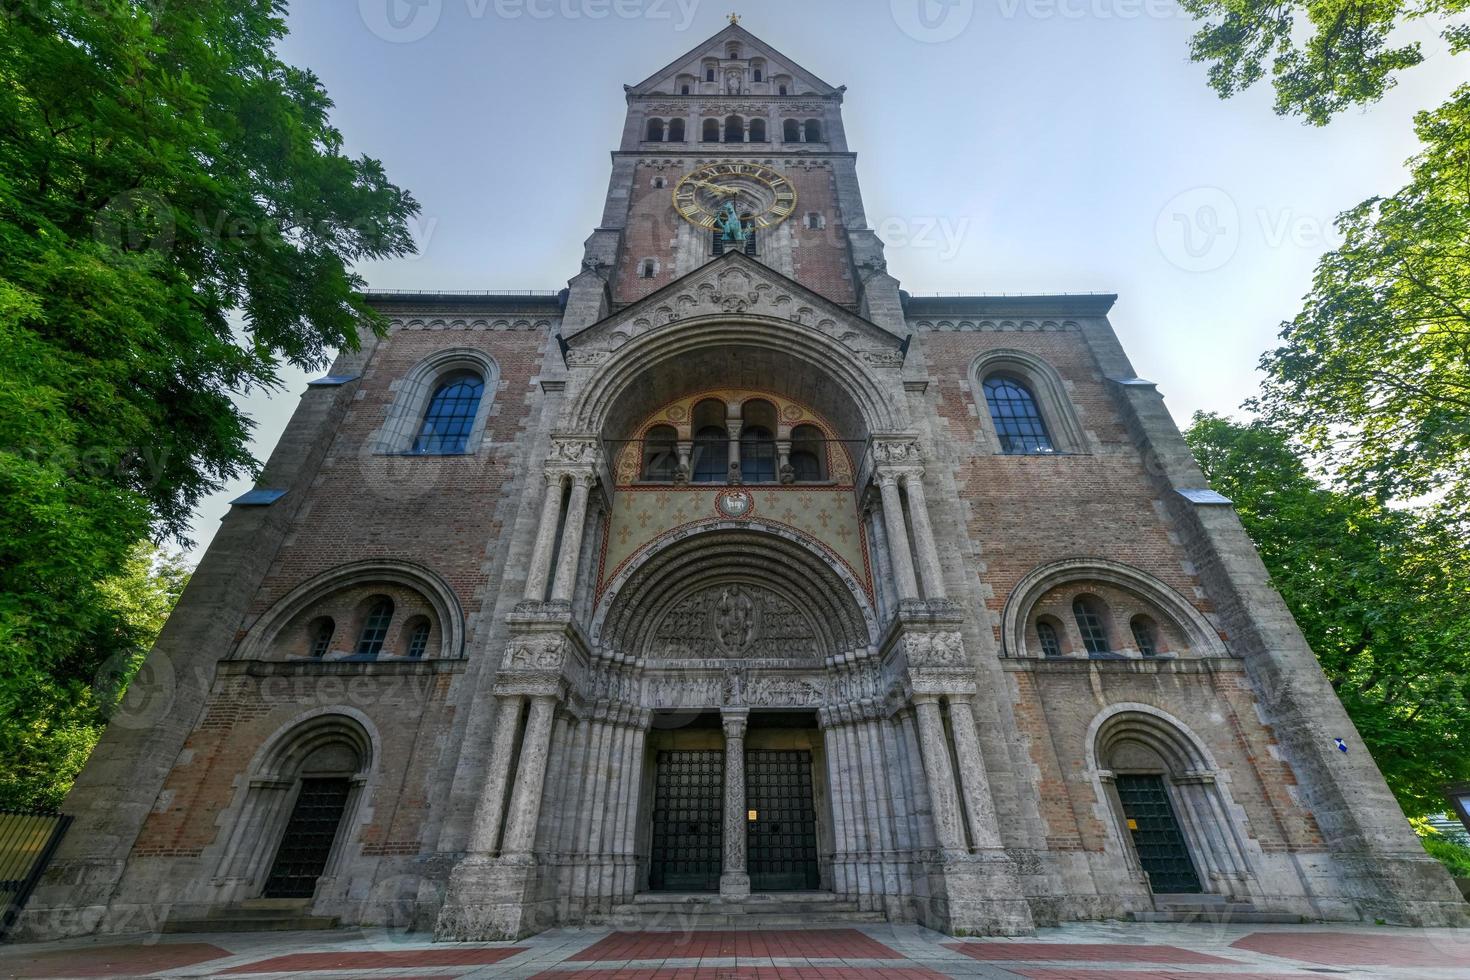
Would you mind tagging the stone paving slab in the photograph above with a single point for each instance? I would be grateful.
(1094, 951)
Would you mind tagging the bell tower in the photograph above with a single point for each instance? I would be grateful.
(733, 146)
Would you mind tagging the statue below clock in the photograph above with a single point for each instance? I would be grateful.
(735, 197)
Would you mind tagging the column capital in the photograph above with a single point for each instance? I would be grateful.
(734, 721)
(919, 698)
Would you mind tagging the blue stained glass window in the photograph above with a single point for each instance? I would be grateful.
(451, 415)
(1017, 420)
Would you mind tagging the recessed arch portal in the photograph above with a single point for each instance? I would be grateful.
(779, 567)
(662, 365)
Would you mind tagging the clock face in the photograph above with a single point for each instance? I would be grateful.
(762, 196)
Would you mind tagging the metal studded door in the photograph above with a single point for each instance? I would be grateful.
(781, 842)
(688, 797)
(1156, 835)
(307, 843)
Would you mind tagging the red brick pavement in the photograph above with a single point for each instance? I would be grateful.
(1066, 973)
(348, 960)
(109, 961)
(1360, 949)
(1082, 952)
(747, 973)
(846, 944)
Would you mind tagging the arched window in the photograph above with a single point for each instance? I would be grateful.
(782, 90)
(375, 628)
(655, 131)
(758, 131)
(813, 131)
(1092, 624)
(757, 75)
(648, 269)
(757, 454)
(711, 455)
(676, 130)
(660, 454)
(418, 641)
(734, 129)
(1018, 421)
(709, 73)
(683, 89)
(451, 415)
(659, 183)
(711, 131)
(815, 221)
(791, 131)
(808, 454)
(321, 637)
(1146, 635)
(1051, 643)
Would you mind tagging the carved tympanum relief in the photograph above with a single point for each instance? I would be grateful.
(734, 621)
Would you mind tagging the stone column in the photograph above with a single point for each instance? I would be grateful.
(940, 775)
(571, 539)
(929, 569)
(975, 781)
(686, 450)
(733, 427)
(734, 881)
(783, 459)
(485, 835)
(898, 538)
(881, 562)
(525, 801)
(540, 567)
(836, 781)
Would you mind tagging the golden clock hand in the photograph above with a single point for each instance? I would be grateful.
(716, 188)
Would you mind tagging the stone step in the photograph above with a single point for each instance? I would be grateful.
(1218, 914)
(695, 912)
(258, 915)
(662, 911)
(682, 921)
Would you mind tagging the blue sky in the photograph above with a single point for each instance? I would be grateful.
(1004, 146)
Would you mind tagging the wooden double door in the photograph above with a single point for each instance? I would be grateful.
(688, 821)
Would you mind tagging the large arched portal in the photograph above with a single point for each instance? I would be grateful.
(717, 652)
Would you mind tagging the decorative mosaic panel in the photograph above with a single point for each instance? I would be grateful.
(827, 515)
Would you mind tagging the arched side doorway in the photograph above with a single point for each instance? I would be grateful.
(1172, 814)
(301, 799)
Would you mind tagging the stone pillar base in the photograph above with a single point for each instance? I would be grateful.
(493, 899)
(734, 886)
(983, 896)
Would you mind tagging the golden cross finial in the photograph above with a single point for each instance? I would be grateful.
(734, 18)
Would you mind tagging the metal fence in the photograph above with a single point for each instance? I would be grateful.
(28, 840)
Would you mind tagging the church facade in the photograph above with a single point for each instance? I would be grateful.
(732, 571)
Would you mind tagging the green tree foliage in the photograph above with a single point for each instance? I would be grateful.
(1382, 594)
(1323, 55)
(54, 717)
(161, 171)
(1374, 373)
